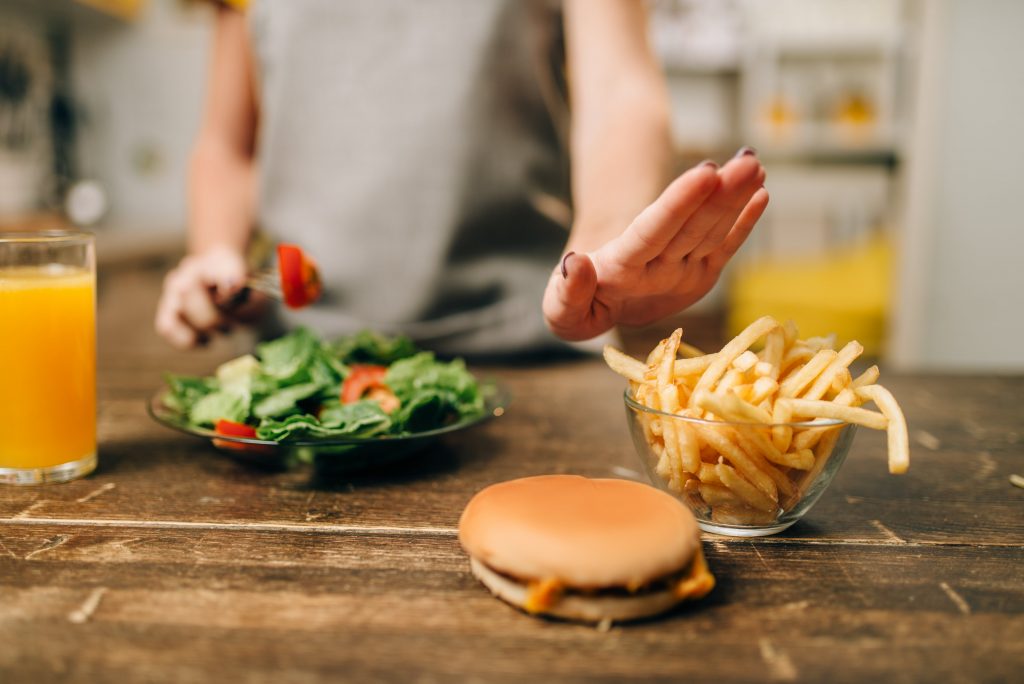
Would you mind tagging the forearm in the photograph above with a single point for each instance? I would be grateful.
(654, 247)
(620, 142)
(622, 159)
(221, 175)
(221, 198)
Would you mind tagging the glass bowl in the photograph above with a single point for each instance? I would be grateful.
(734, 476)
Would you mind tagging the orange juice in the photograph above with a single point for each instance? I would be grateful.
(47, 366)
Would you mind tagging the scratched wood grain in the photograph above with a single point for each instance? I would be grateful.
(262, 603)
(174, 562)
(564, 418)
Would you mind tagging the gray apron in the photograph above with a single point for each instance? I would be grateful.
(415, 150)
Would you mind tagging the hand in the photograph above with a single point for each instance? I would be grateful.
(668, 257)
(197, 299)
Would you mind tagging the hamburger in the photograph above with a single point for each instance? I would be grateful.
(593, 550)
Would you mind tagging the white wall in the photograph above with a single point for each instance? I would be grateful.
(26, 174)
(961, 300)
(141, 86)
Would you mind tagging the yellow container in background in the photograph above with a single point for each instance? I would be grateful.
(846, 293)
(127, 10)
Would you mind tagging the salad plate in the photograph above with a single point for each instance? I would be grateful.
(352, 403)
(356, 452)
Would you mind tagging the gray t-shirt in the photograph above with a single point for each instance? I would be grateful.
(414, 150)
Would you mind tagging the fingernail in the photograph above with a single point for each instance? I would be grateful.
(709, 163)
(565, 271)
(745, 151)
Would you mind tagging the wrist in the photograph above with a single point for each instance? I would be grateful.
(588, 236)
(219, 248)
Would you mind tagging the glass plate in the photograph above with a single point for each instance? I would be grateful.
(346, 453)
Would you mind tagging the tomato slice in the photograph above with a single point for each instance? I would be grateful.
(360, 379)
(384, 397)
(300, 280)
(230, 428)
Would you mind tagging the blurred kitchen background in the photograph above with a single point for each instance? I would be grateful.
(892, 131)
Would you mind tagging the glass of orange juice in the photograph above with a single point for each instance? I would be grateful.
(47, 356)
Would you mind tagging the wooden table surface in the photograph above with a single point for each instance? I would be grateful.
(175, 563)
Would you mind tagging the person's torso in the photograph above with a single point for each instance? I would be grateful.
(411, 147)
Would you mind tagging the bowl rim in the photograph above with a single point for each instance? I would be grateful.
(816, 423)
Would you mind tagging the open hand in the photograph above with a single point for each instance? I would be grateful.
(668, 257)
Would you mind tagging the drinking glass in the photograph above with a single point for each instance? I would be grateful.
(47, 356)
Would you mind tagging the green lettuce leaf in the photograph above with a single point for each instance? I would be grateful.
(283, 401)
(360, 419)
(238, 374)
(432, 393)
(297, 373)
(287, 358)
(327, 373)
(426, 409)
(410, 377)
(185, 390)
(222, 404)
(367, 346)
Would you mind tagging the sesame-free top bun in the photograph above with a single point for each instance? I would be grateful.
(586, 534)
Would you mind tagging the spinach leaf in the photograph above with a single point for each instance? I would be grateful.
(222, 404)
(185, 390)
(287, 358)
(298, 371)
(425, 409)
(360, 419)
(283, 401)
(451, 382)
(238, 374)
(367, 346)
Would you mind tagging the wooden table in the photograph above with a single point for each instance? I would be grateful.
(173, 562)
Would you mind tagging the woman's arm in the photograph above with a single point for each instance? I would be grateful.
(221, 173)
(221, 195)
(620, 141)
(635, 256)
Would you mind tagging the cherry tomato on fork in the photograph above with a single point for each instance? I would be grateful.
(300, 280)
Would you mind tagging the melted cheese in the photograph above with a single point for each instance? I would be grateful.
(541, 595)
(698, 582)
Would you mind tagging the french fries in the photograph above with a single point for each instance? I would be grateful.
(813, 408)
(899, 443)
(624, 364)
(785, 407)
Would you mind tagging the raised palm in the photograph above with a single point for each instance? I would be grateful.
(666, 259)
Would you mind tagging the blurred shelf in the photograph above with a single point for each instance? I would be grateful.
(827, 46)
(817, 140)
(86, 12)
(126, 10)
(697, 68)
(687, 156)
(827, 155)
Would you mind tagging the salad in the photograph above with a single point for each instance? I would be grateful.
(299, 387)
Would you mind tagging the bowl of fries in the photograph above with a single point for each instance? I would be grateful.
(750, 440)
